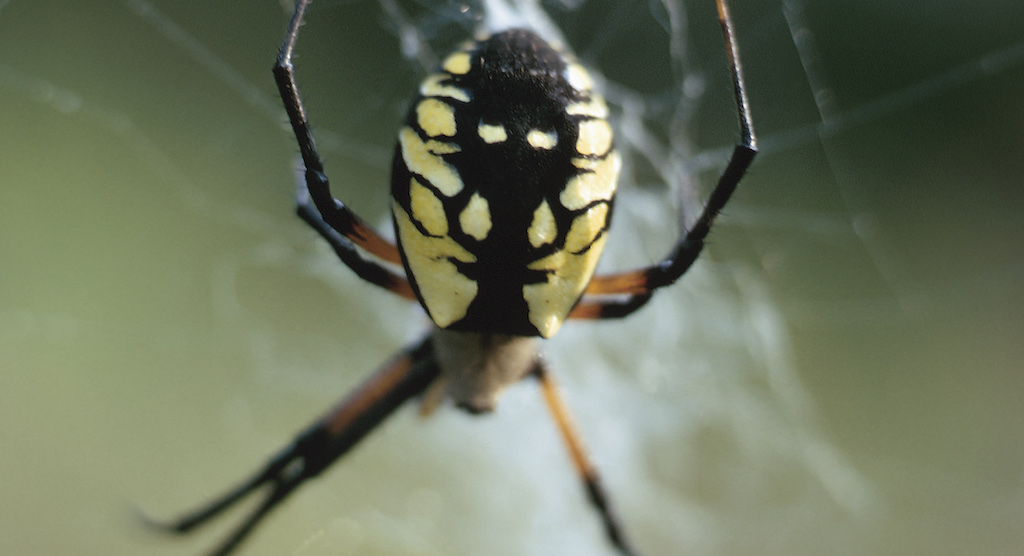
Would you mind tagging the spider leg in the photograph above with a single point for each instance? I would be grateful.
(320, 445)
(581, 461)
(637, 285)
(347, 252)
(591, 308)
(334, 213)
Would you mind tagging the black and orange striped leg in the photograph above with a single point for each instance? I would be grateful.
(581, 461)
(333, 213)
(617, 295)
(328, 439)
(347, 252)
(609, 307)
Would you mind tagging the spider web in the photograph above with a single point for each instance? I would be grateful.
(166, 322)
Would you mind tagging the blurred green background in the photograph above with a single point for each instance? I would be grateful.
(840, 375)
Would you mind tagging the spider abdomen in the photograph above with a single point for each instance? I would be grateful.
(503, 182)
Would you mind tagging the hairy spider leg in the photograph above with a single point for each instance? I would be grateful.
(403, 377)
(637, 285)
(346, 251)
(586, 470)
(334, 213)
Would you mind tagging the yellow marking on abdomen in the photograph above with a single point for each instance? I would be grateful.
(423, 158)
(436, 118)
(457, 64)
(595, 108)
(595, 137)
(550, 302)
(445, 291)
(585, 228)
(427, 209)
(492, 133)
(542, 229)
(475, 219)
(432, 87)
(538, 139)
(578, 77)
(596, 185)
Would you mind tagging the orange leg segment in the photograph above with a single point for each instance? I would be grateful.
(581, 461)
(320, 445)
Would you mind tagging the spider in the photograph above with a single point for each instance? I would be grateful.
(502, 187)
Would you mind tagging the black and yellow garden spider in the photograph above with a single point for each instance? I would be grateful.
(502, 187)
